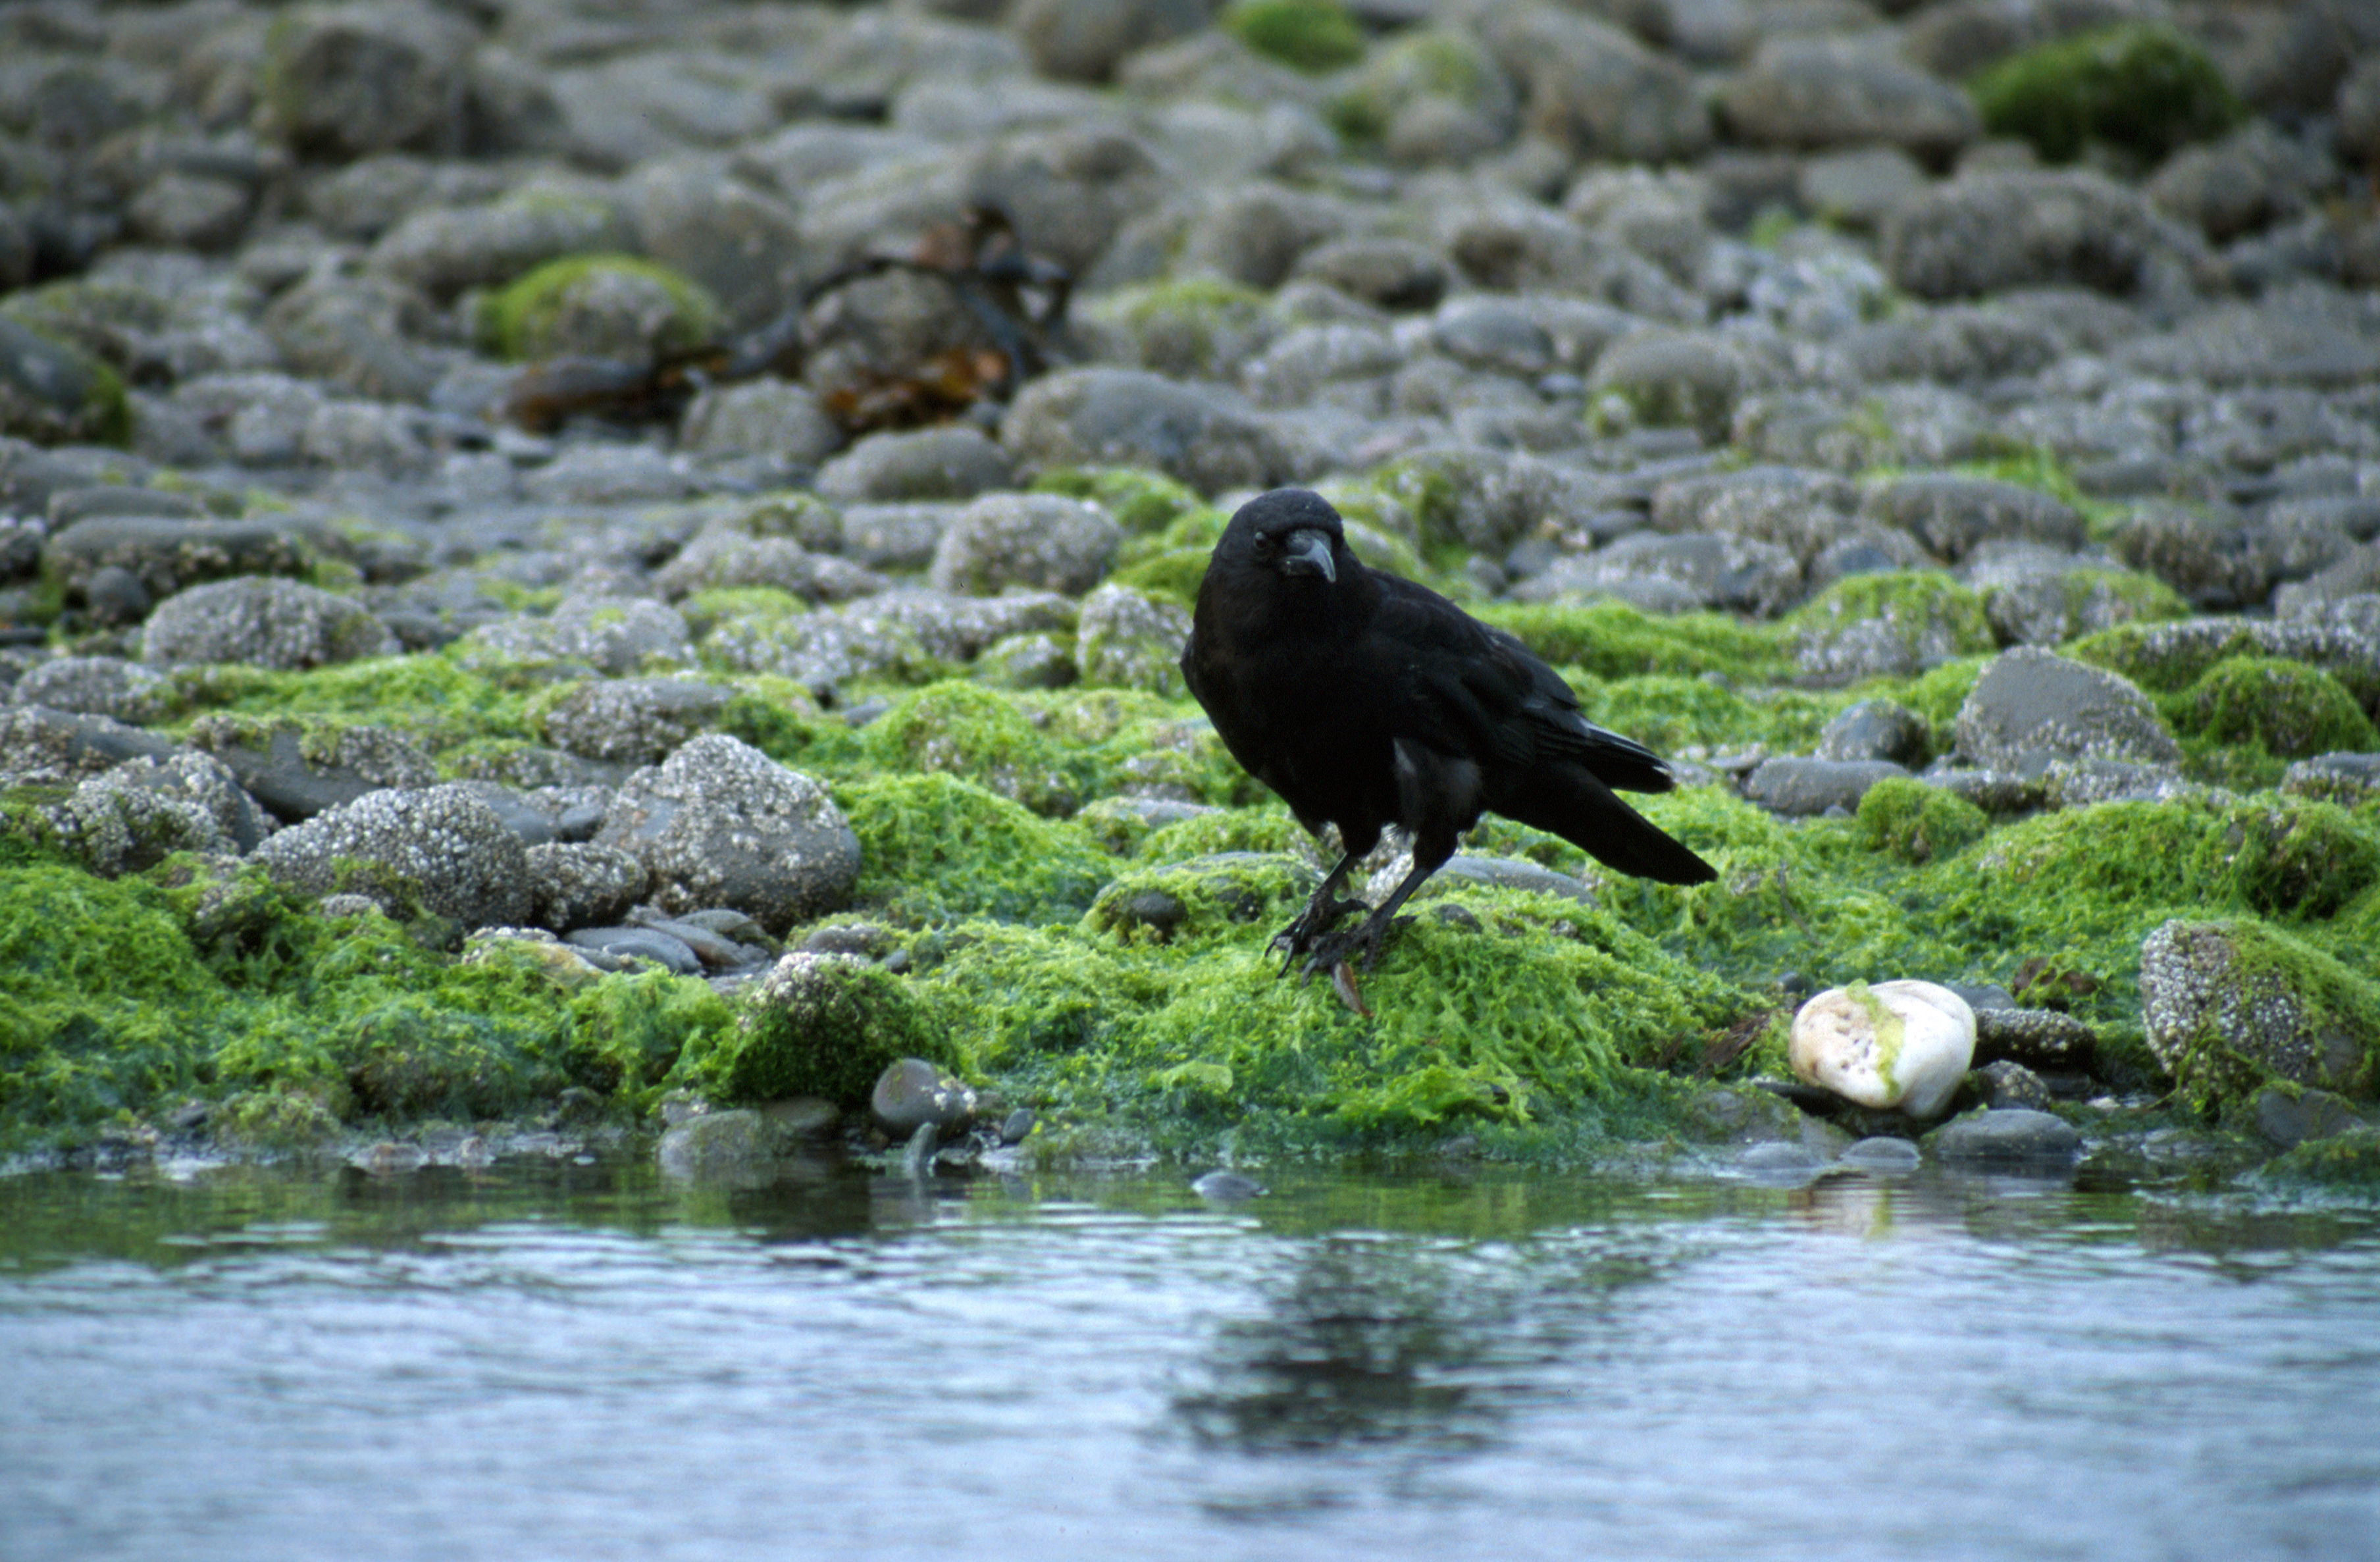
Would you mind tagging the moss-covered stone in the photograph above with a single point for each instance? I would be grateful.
(539, 314)
(1308, 35)
(2348, 1161)
(817, 1025)
(2142, 87)
(1917, 823)
(1895, 622)
(51, 392)
(935, 849)
(2285, 708)
(1140, 501)
(1612, 639)
(967, 730)
(1197, 327)
(2235, 1004)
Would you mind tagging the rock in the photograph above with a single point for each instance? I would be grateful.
(165, 554)
(2039, 1038)
(102, 686)
(611, 635)
(1811, 94)
(44, 748)
(1086, 40)
(1700, 569)
(2005, 1083)
(2013, 1137)
(670, 953)
(443, 844)
(1591, 89)
(741, 1147)
(299, 772)
(1393, 274)
(1123, 417)
(1953, 516)
(132, 817)
(264, 622)
(912, 1094)
(719, 824)
(344, 81)
(955, 462)
(1903, 1044)
(1988, 232)
(1039, 540)
(1875, 730)
(1881, 1155)
(819, 1025)
(2032, 706)
(632, 720)
(735, 243)
(767, 418)
(2232, 1004)
(1798, 787)
(51, 392)
(1227, 1187)
(1673, 379)
(1127, 641)
(443, 249)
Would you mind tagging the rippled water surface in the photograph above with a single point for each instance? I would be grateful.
(588, 1361)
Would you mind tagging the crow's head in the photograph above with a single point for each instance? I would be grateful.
(1290, 531)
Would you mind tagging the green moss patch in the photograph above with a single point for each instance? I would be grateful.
(2143, 88)
(1612, 639)
(1917, 823)
(934, 849)
(520, 321)
(1308, 35)
(817, 1026)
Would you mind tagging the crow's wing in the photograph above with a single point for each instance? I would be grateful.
(1471, 690)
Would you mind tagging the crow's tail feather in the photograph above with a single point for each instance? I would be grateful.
(1570, 801)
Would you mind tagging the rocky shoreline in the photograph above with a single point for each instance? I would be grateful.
(612, 568)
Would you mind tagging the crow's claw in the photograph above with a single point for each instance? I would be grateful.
(1311, 930)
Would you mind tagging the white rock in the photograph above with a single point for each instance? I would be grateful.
(1896, 1044)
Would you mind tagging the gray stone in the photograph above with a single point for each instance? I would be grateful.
(2345, 779)
(130, 818)
(1802, 512)
(1876, 730)
(1591, 89)
(2010, 1138)
(2004, 1085)
(1811, 94)
(672, 954)
(1676, 574)
(361, 335)
(609, 474)
(580, 883)
(2039, 1038)
(738, 1148)
(1123, 417)
(1986, 232)
(1953, 515)
(719, 824)
(444, 843)
(1128, 641)
(104, 686)
(40, 747)
(53, 392)
(1086, 40)
(265, 622)
(1796, 787)
(765, 417)
(912, 1094)
(1394, 273)
(1672, 379)
(632, 720)
(344, 81)
(297, 774)
(2288, 1118)
(443, 250)
(2231, 1005)
(951, 462)
(1038, 540)
(612, 635)
(740, 245)
(2032, 706)
(167, 553)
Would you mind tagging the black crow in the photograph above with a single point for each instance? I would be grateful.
(1366, 701)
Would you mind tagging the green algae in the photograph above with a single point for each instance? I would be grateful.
(120, 997)
(1140, 501)
(935, 849)
(519, 321)
(815, 1026)
(1612, 639)
(434, 699)
(2284, 992)
(1917, 823)
(1314, 36)
(2140, 87)
(2348, 1163)
(965, 729)
(2284, 708)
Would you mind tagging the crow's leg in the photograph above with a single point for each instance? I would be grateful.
(1371, 935)
(1321, 914)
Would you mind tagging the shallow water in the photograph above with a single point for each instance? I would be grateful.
(547, 1360)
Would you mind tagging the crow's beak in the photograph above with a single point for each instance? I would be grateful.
(1306, 551)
